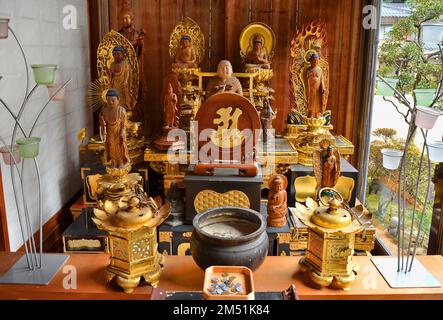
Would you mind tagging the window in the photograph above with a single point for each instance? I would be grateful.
(400, 61)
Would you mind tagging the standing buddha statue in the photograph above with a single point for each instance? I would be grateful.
(316, 90)
(128, 30)
(170, 111)
(329, 169)
(121, 78)
(136, 38)
(112, 128)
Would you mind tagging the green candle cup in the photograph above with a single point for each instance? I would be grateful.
(424, 97)
(44, 74)
(29, 147)
(383, 89)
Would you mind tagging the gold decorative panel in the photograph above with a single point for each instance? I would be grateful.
(119, 249)
(207, 199)
(141, 250)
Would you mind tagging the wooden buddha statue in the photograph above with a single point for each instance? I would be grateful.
(257, 58)
(186, 56)
(316, 91)
(121, 78)
(329, 169)
(128, 30)
(113, 130)
(277, 198)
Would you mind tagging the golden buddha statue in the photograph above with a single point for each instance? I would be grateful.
(121, 77)
(112, 128)
(316, 91)
(186, 55)
(224, 81)
(277, 198)
(257, 58)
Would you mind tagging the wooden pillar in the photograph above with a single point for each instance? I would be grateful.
(435, 245)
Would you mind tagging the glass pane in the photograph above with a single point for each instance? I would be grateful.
(390, 127)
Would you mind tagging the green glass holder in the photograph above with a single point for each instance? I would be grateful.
(29, 147)
(44, 74)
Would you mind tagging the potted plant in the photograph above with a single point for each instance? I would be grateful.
(4, 23)
(44, 74)
(7, 155)
(29, 147)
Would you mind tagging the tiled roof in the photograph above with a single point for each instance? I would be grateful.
(395, 10)
(430, 46)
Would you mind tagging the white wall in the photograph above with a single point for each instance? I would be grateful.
(38, 25)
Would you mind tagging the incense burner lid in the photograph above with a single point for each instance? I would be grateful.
(331, 219)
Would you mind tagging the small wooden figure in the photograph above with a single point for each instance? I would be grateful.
(277, 205)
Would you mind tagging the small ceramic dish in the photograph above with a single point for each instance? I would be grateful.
(241, 278)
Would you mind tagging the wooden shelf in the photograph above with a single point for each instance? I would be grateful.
(182, 274)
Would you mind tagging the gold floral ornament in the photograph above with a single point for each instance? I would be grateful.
(187, 27)
(254, 30)
(123, 206)
(311, 38)
(97, 90)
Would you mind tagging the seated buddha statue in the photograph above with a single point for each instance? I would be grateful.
(225, 81)
(257, 58)
(186, 55)
(277, 205)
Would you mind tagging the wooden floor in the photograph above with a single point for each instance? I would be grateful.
(181, 274)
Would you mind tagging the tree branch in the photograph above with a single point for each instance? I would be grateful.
(398, 110)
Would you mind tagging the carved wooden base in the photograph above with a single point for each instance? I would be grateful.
(343, 282)
(128, 282)
(277, 222)
(244, 170)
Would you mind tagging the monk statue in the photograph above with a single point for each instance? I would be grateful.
(277, 205)
(316, 90)
(329, 169)
(224, 81)
(257, 58)
(266, 116)
(186, 55)
(121, 78)
(170, 111)
(128, 30)
(113, 131)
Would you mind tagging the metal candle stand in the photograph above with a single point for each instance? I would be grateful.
(33, 267)
(395, 271)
